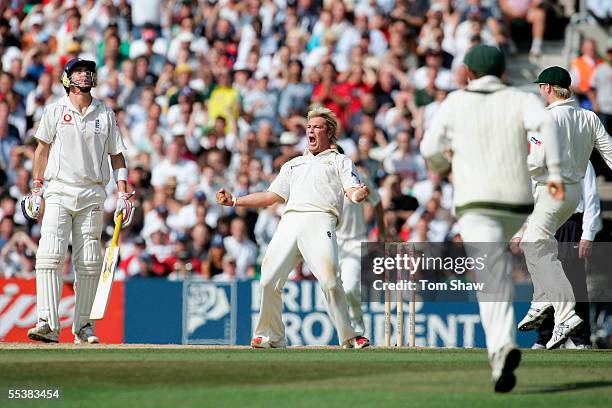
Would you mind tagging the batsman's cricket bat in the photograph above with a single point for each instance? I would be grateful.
(111, 256)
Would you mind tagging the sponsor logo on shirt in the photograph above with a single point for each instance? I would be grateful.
(536, 141)
(329, 234)
(67, 119)
(97, 127)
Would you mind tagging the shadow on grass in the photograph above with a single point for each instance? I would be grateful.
(584, 385)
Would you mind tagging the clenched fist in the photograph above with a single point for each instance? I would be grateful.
(359, 194)
(225, 198)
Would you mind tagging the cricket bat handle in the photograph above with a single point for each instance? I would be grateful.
(115, 240)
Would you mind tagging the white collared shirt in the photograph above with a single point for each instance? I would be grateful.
(580, 130)
(589, 205)
(316, 183)
(80, 144)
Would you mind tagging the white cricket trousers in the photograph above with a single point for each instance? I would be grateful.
(311, 235)
(77, 212)
(541, 252)
(349, 254)
(496, 309)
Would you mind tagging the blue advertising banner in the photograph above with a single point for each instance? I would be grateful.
(199, 312)
(210, 312)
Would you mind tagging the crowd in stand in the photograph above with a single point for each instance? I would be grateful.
(213, 93)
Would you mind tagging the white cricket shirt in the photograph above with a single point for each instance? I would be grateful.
(485, 127)
(80, 144)
(310, 183)
(580, 130)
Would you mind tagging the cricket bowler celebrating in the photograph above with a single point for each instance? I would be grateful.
(75, 136)
(482, 131)
(581, 131)
(312, 186)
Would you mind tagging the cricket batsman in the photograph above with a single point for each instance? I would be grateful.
(312, 186)
(75, 137)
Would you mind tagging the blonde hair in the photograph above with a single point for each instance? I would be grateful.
(562, 93)
(331, 121)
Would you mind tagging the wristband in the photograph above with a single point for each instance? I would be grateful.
(234, 199)
(120, 174)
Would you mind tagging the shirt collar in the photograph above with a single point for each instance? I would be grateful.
(65, 101)
(569, 101)
(323, 153)
(489, 83)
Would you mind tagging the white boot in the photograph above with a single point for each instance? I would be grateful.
(536, 314)
(42, 332)
(86, 335)
(562, 331)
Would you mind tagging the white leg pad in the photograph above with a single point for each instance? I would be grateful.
(85, 289)
(87, 255)
(48, 295)
(52, 248)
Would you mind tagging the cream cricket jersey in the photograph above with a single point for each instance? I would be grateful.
(80, 144)
(316, 183)
(485, 127)
(353, 224)
(580, 130)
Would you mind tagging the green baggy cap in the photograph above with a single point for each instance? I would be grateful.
(555, 76)
(485, 60)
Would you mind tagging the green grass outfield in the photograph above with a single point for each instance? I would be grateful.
(178, 377)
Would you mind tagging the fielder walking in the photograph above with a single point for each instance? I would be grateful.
(580, 131)
(580, 228)
(75, 136)
(312, 187)
(482, 131)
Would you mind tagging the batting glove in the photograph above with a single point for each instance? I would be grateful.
(31, 205)
(125, 206)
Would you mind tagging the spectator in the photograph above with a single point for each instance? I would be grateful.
(295, 96)
(533, 13)
(17, 256)
(241, 248)
(224, 99)
(583, 69)
(213, 265)
(228, 270)
(402, 161)
(260, 103)
(424, 190)
(184, 171)
(600, 96)
(601, 91)
(9, 138)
